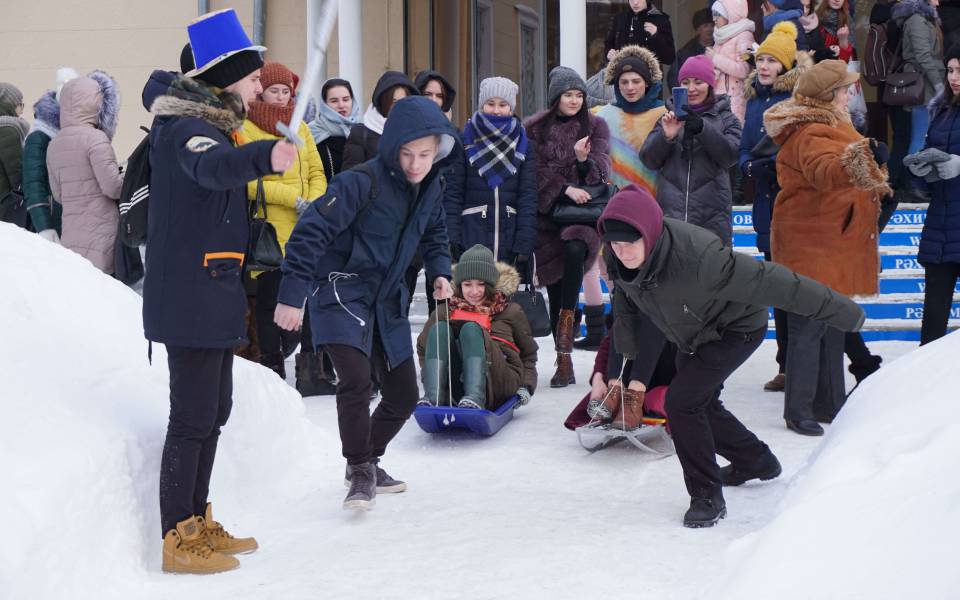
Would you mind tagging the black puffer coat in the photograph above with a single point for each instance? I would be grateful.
(693, 185)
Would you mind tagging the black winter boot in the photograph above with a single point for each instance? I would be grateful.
(274, 361)
(312, 380)
(766, 469)
(596, 328)
(363, 487)
(705, 512)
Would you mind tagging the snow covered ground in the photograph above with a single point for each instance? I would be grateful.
(525, 514)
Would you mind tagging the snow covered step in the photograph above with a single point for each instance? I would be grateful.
(907, 237)
(906, 214)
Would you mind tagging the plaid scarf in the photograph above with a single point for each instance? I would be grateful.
(495, 145)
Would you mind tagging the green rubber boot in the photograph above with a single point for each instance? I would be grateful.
(474, 355)
(434, 374)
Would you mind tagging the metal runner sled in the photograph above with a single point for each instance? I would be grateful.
(437, 419)
(597, 434)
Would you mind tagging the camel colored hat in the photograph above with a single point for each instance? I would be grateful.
(819, 81)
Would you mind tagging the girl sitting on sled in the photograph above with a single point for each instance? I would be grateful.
(477, 350)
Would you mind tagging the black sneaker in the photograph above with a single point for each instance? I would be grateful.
(704, 512)
(769, 468)
(363, 487)
(385, 483)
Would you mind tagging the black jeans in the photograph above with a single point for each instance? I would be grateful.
(565, 294)
(780, 325)
(940, 282)
(900, 145)
(702, 427)
(362, 436)
(201, 396)
(273, 339)
(815, 385)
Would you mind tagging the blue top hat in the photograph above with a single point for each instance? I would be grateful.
(215, 37)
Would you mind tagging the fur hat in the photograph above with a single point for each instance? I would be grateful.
(476, 263)
(499, 87)
(10, 98)
(563, 79)
(781, 44)
(820, 80)
(699, 67)
(639, 60)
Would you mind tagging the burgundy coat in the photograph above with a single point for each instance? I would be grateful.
(557, 167)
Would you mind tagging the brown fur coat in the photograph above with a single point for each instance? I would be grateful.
(825, 216)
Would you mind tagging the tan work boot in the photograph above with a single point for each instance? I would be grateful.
(221, 540)
(631, 410)
(186, 550)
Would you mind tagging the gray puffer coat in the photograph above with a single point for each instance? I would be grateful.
(83, 169)
(694, 185)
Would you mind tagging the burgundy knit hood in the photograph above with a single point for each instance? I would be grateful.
(635, 206)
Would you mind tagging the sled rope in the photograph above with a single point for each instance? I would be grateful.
(446, 304)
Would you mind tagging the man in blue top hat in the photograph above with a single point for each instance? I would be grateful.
(348, 254)
(193, 296)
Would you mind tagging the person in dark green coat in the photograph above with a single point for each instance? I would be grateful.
(712, 303)
(13, 130)
(45, 211)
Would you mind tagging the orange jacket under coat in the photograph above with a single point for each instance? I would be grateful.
(825, 216)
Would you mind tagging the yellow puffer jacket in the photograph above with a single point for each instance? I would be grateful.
(305, 179)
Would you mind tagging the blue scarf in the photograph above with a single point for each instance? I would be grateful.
(652, 99)
(495, 145)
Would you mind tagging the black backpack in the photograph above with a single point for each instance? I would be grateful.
(135, 195)
(878, 59)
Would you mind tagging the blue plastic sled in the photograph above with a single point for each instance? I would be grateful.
(435, 419)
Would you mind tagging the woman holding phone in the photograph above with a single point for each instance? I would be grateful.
(694, 150)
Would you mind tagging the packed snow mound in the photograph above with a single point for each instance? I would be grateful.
(82, 426)
(876, 513)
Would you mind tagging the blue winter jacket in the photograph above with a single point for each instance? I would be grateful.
(763, 169)
(940, 240)
(197, 225)
(348, 253)
(504, 220)
(787, 10)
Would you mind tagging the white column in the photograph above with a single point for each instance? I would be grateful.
(350, 44)
(573, 35)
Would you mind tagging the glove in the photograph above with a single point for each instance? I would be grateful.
(880, 152)
(693, 123)
(524, 395)
(456, 250)
(949, 169)
(302, 206)
(50, 235)
(920, 169)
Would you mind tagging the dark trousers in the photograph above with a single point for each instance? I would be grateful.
(940, 282)
(815, 385)
(702, 427)
(565, 293)
(900, 145)
(273, 339)
(780, 325)
(201, 395)
(365, 437)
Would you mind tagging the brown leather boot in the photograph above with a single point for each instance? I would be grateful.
(564, 375)
(564, 337)
(631, 410)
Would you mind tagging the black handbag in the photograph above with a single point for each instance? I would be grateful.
(264, 252)
(533, 304)
(13, 209)
(903, 88)
(567, 212)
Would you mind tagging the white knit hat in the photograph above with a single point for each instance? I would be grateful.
(499, 87)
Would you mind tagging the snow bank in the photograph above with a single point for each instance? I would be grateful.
(82, 426)
(876, 514)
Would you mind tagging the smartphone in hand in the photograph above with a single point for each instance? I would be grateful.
(680, 99)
